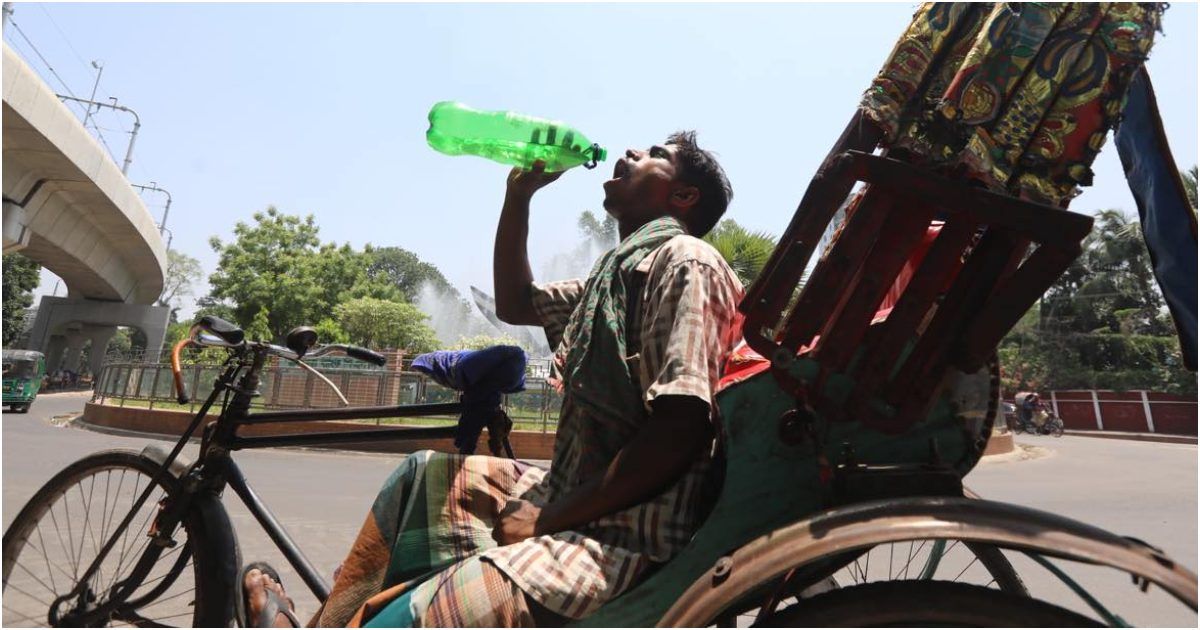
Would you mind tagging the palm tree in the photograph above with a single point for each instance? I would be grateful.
(745, 251)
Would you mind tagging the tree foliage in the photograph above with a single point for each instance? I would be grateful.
(402, 269)
(21, 277)
(596, 236)
(479, 342)
(375, 323)
(183, 272)
(1102, 325)
(745, 251)
(278, 267)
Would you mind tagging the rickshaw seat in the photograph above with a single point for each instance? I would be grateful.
(926, 273)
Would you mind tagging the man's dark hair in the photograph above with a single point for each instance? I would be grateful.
(699, 168)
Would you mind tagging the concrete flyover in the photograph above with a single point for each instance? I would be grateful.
(68, 207)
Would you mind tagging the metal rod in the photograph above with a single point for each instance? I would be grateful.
(162, 227)
(328, 382)
(275, 530)
(137, 123)
(100, 72)
(353, 413)
(343, 437)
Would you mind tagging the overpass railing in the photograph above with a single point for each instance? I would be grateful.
(134, 384)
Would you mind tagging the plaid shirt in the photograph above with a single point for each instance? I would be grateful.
(684, 329)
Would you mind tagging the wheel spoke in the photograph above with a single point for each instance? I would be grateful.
(163, 600)
(58, 534)
(134, 557)
(71, 535)
(912, 556)
(26, 594)
(137, 490)
(21, 621)
(45, 556)
(170, 567)
(41, 559)
(969, 565)
(66, 574)
(891, 552)
(36, 578)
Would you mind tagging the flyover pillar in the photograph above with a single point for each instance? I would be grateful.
(100, 336)
(59, 319)
(75, 341)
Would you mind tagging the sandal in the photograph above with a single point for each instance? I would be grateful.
(276, 605)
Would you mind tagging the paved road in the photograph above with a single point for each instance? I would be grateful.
(1136, 488)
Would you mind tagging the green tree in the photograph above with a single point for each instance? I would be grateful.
(260, 327)
(1110, 287)
(329, 331)
(601, 231)
(745, 251)
(375, 323)
(406, 272)
(1101, 325)
(21, 277)
(479, 342)
(183, 272)
(279, 266)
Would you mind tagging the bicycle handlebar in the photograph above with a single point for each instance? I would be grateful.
(181, 394)
(200, 339)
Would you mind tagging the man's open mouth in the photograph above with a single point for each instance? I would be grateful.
(620, 168)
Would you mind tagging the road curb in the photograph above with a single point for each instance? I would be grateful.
(1137, 437)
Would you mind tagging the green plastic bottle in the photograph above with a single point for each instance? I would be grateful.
(508, 138)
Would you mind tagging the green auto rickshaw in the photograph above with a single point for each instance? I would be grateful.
(23, 372)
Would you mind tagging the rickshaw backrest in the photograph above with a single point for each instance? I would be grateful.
(952, 291)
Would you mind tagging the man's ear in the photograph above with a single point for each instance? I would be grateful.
(685, 197)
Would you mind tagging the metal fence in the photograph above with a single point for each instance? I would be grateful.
(288, 387)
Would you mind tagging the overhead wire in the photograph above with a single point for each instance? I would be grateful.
(57, 76)
(64, 35)
(40, 56)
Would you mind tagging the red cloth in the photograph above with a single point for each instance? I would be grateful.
(744, 362)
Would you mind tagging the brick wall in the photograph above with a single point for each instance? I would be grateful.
(1136, 411)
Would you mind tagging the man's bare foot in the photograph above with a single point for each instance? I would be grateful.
(256, 586)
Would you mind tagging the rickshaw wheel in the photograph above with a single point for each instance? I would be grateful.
(923, 603)
(991, 571)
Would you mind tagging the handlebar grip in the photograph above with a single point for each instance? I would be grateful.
(362, 354)
(181, 394)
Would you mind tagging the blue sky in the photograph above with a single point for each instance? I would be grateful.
(322, 108)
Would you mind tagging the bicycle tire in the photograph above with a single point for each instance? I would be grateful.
(210, 603)
(924, 603)
(1057, 430)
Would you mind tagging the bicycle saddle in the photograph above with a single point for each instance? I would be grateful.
(228, 332)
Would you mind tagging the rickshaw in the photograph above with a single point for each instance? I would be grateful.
(23, 372)
(859, 402)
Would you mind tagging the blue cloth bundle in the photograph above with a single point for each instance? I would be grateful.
(483, 377)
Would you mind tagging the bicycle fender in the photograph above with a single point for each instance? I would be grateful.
(213, 532)
(213, 535)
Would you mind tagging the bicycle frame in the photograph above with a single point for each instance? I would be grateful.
(215, 469)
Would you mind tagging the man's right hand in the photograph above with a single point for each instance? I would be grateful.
(525, 183)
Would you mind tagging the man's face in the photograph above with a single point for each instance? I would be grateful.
(642, 185)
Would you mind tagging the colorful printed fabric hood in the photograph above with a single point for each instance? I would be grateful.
(1018, 96)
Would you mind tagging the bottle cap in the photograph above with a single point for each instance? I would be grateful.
(598, 155)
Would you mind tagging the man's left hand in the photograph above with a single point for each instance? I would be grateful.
(517, 522)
